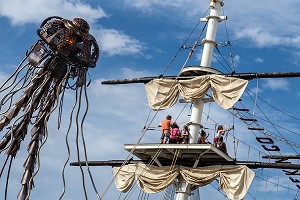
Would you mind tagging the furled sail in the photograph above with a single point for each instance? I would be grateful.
(164, 93)
(234, 180)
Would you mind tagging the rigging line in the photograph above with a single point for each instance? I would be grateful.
(274, 106)
(208, 112)
(150, 163)
(120, 196)
(220, 63)
(176, 154)
(230, 49)
(181, 112)
(239, 140)
(147, 119)
(46, 134)
(272, 124)
(266, 183)
(7, 178)
(139, 194)
(275, 124)
(132, 189)
(218, 190)
(255, 102)
(174, 57)
(272, 135)
(285, 187)
(83, 141)
(278, 184)
(236, 137)
(144, 131)
(129, 154)
(223, 58)
(235, 145)
(77, 141)
(249, 125)
(249, 145)
(68, 148)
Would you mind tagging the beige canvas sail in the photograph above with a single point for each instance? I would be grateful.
(164, 93)
(234, 180)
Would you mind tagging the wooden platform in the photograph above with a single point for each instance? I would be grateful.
(190, 155)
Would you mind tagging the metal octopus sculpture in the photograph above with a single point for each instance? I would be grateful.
(61, 58)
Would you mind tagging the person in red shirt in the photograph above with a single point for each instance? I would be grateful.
(166, 129)
(175, 134)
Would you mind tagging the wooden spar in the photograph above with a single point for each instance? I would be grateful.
(247, 76)
(282, 156)
(250, 164)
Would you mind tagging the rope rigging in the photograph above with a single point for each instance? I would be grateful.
(272, 124)
(184, 45)
(252, 124)
(147, 127)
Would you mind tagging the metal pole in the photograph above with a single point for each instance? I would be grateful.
(246, 76)
(183, 189)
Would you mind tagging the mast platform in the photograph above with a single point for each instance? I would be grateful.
(189, 155)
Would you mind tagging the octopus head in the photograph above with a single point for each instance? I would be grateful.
(81, 24)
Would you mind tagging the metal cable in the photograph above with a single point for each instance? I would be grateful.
(77, 141)
(68, 149)
(3, 166)
(46, 133)
(7, 178)
(17, 71)
(11, 93)
(83, 142)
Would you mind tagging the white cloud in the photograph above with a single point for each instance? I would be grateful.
(276, 84)
(153, 6)
(259, 60)
(34, 11)
(264, 38)
(260, 29)
(237, 59)
(114, 42)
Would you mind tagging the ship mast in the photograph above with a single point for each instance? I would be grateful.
(183, 189)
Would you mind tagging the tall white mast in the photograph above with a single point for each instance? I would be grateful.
(183, 189)
(209, 43)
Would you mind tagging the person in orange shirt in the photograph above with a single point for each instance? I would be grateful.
(166, 129)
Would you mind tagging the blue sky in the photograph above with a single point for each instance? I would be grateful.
(138, 38)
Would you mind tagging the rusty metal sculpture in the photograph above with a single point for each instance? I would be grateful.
(64, 54)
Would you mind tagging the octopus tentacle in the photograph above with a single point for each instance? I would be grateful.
(66, 51)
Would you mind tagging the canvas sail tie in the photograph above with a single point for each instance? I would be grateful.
(164, 93)
(234, 180)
